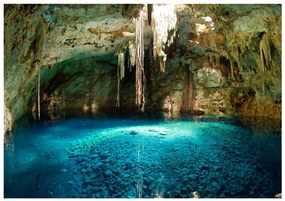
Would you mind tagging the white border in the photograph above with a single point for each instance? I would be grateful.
(114, 2)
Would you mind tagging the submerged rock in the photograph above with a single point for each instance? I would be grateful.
(175, 149)
(64, 170)
(133, 133)
(203, 167)
(108, 172)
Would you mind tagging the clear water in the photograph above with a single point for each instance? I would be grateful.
(140, 157)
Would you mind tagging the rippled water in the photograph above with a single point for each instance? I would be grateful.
(141, 157)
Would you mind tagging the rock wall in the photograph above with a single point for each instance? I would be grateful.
(234, 52)
(41, 37)
(224, 59)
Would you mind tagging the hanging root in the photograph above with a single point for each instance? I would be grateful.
(120, 75)
(140, 100)
(121, 65)
(132, 54)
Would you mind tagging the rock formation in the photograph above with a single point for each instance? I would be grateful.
(218, 59)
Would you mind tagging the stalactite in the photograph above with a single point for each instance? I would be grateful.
(121, 64)
(231, 65)
(140, 100)
(120, 75)
(237, 56)
(163, 25)
(265, 56)
(265, 53)
(132, 54)
(154, 48)
(39, 95)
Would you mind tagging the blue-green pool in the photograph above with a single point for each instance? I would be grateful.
(122, 157)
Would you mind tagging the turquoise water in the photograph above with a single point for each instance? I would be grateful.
(128, 158)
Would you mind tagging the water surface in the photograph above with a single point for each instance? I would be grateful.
(123, 157)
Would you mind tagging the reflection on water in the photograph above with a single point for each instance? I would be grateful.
(122, 156)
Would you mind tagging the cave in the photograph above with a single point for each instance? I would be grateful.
(142, 101)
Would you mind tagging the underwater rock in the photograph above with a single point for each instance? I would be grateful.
(203, 167)
(133, 133)
(108, 172)
(177, 191)
(216, 186)
(64, 170)
(217, 168)
(152, 185)
(175, 149)
(193, 176)
(97, 164)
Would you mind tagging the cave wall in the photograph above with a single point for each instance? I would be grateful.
(256, 73)
(222, 55)
(79, 83)
(228, 64)
(41, 37)
(231, 76)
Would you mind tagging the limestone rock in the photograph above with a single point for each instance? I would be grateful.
(8, 122)
(209, 77)
(75, 48)
(108, 173)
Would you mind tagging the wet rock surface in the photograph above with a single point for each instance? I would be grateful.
(125, 165)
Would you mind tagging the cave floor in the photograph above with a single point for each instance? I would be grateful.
(129, 158)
